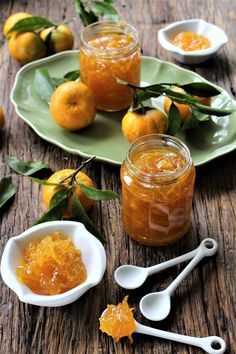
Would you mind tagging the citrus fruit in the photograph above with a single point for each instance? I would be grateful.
(12, 20)
(61, 38)
(57, 177)
(26, 47)
(2, 118)
(72, 105)
(136, 124)
(184, 109)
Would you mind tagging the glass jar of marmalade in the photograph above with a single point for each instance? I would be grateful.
(110, 51)
(157, 190)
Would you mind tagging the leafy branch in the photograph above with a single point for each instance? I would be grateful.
(45, 84)
(91, 10)
(60, 200)
(199, 112)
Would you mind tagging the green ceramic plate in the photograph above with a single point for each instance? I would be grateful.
(104, 137)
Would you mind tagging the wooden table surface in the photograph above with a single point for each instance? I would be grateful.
(205, 303)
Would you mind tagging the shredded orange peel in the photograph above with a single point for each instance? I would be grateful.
(118, 321)
(51, 266)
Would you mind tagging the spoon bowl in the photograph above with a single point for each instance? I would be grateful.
(130, 276)
(156, 306)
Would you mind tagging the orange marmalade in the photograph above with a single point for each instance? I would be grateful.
(110, 51)
(51, 266)
(118, 321)
(190, 41)
(157, 189)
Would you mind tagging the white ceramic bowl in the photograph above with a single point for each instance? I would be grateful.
(216, 35)
(92, 251)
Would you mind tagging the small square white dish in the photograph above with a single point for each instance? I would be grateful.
(215, 34)
(92, 252)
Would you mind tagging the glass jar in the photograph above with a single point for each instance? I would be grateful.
(157, 190)
(110, 51)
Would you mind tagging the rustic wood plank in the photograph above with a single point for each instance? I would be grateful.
(205, 302)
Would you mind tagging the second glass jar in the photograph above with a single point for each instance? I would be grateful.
(157, 189)
(110, 51)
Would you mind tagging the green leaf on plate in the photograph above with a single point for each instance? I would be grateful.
(43, 182)
(31, 24)
(174, 119)
(211, 110)
(80, 215)
(191, 123)
(55, 213)
(25, 168)
(201, 89)
(201, 117)
(97, 194)
(57, 81)
(72, 75)
(44, 84)
(7, 190)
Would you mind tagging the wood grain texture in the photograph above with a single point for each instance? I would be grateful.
(205, 303)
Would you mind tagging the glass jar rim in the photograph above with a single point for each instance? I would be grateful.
(97, 26)
(162, 139)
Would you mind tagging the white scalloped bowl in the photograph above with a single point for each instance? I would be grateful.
(216, 35)
(92, 251)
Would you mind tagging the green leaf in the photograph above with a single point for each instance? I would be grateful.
(31, 24)
(44, 84)
(201, 89)
(56, 213)
(80, 215)
(201, 117)
(174, 119)
(100, 8)
(191, 122)
(7, 190)
(25, 168)
(97, 194)
(86, 17)
(72, 75)
(57, 81)
(212, 111)
(58, 197)
(43, 182)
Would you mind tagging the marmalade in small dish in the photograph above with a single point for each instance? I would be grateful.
(157, 190)
(51, 266)
(190, 41)
(110, 51)
(118, 321)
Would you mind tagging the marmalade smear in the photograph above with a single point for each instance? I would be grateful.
(190, 41)
(51, 266)
(118, 321)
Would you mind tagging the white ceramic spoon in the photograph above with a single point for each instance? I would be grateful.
(132, 277)
(211, 345)
(156, 306)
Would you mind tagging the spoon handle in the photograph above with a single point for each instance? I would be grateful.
(172, 262)
(207, 248)
(209, 344)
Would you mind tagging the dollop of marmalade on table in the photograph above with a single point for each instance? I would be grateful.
(190, 41)
(118, 321)
(51, 266)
